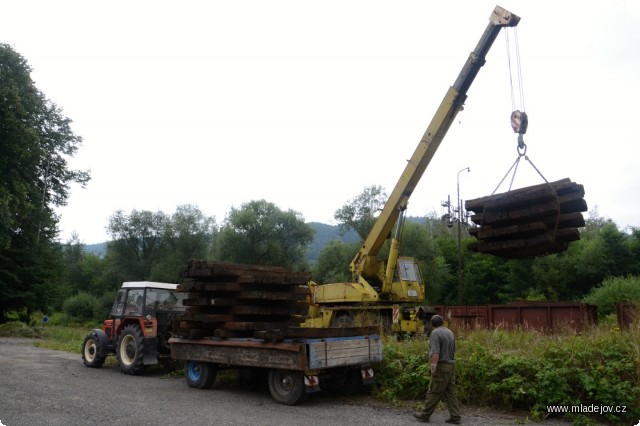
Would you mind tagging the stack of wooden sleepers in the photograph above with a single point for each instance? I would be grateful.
(230, 300)
(528, 222)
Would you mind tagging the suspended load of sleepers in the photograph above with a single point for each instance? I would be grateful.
(528, 222)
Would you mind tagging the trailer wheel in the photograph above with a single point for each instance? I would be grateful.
(200, 375)
(91, 351)
(130, 350)
(287, 387)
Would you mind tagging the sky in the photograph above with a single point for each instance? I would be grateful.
(304, 103)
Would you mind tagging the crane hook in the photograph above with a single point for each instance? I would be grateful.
(519, 124)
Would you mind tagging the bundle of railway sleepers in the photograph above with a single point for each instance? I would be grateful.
(528, 222)
(235, 300)
(230, 300)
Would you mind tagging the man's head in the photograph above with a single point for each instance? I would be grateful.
(437, 321)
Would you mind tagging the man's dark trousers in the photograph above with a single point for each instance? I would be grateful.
(443, 386)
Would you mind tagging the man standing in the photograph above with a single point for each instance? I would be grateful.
(442, 350)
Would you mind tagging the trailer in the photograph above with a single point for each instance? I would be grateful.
(295, 367)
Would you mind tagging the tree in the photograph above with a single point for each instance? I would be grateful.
(417, 242)
(36, 142)
(188, 234)
(486, 280)
(333, 262)
(137, 242)
(83, 271)
(262, 234)
(361, 212)
(634, 248)
(601, 257)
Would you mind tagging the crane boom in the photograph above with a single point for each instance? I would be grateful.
(392, 289)
(365, 262)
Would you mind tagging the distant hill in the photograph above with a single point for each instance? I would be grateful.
(99, 249)
(324, 234)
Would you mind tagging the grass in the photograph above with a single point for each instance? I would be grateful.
(62, 338)
(68, 339)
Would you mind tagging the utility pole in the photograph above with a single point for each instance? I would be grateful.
(460, 215)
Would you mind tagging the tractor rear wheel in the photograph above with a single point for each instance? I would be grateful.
(130, 350)
(91, 351)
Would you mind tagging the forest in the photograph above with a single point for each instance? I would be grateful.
(41, 275)
(155, 246)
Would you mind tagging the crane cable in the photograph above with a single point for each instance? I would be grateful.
(518, 69)
(519, 118)
(519, 123)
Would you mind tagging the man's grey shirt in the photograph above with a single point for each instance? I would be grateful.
(443, 342)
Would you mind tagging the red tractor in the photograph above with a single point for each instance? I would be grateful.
(138, 328)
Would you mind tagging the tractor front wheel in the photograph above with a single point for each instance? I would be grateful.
(130, 350)
(91, 351)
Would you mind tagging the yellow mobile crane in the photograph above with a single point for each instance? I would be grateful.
(393, 289)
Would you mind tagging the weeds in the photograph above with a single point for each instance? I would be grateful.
(526, 370)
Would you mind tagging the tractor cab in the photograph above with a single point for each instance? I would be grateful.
(147, 298)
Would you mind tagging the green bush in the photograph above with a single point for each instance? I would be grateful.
(80, 308)
(104, 305)
(612, 291)
(526, 370)
(402, 374)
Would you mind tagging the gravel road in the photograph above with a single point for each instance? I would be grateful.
(46, 387)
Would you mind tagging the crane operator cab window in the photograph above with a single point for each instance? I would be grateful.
(408, 270)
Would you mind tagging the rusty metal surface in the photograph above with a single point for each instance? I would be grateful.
(627, 314)
(471, 317)
(540, 316)
(289, 356)
(244, 343)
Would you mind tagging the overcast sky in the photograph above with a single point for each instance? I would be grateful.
(305, 103)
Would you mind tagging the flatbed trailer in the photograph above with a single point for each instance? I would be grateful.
(295, 367)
